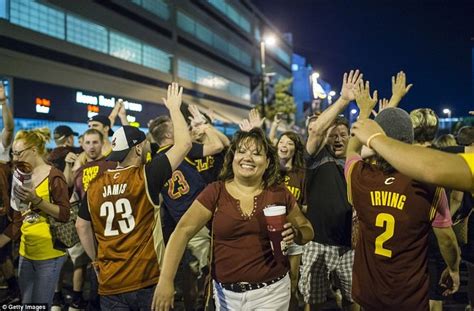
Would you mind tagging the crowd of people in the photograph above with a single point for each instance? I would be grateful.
(377, 215)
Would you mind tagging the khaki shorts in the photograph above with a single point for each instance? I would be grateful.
(78, 255)
(198, 250)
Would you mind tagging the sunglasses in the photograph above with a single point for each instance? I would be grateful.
(19, 153)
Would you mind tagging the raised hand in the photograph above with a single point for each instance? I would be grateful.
(255, 119)
(364, 101)
(3, 97)
(383, 103)
(349, 83)
(197, 118)
(399, 88)
(245, 125)
(122, 113)
(173, 99)
(277, 118)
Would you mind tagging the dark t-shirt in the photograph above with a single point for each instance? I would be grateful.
(210, 166)
(58, 155)
(295, 182)
(328, 209)
(180, 191)
(242, 250)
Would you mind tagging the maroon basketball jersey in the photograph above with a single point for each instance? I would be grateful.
(395, 215)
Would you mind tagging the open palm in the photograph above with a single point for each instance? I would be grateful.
(349, 83)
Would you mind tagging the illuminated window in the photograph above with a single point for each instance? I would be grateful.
(3, 9)
(203, 77)
(207, 36)
(282, 55)
(204, 34)
(157, 7)
(37, 17)
(229, 11)
(186, 23)
(186, 71)
(87, 34)
(125, 48)
(155, 58)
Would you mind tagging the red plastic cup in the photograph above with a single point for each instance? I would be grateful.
(276, 217)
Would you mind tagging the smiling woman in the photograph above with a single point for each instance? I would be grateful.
(48, 197)
(242, 255)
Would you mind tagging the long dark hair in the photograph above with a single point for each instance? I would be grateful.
(271, 175)
(298, 158)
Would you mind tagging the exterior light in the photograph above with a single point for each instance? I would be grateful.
(270, 40)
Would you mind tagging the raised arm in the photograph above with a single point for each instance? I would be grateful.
(317, 130)
(423, 164)
(213, 144)
(8, 123)
(182, 137)
(273, 129)
(366, 104)
(399, 89)
(122, 114)
(192, 221)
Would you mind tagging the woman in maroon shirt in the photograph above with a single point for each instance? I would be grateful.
(291, 154)
(245, 273)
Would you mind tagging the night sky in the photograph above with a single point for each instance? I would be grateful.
(432, 41)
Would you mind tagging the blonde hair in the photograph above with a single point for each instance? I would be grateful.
(445, 140)
(35, 138)
(425, 124)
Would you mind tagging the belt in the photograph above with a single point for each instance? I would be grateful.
(241, 287)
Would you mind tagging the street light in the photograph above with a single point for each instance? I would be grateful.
(447, 112)
(269, 40)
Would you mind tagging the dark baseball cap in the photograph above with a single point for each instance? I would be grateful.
(396, 123)
(123, 140)
(63, 131)
(104, 120)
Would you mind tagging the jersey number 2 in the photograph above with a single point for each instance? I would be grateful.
(387, 221)
(126, 223)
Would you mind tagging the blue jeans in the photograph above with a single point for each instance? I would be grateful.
(137, 300)
(38, 279)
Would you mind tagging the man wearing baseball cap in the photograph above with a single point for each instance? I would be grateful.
(64, 138)
(120, 211)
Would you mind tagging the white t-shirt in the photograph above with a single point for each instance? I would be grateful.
(4, 152)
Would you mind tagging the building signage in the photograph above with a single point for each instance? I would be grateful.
(37, 100)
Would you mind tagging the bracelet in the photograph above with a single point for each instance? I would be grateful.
(369, 140)
(38, 203)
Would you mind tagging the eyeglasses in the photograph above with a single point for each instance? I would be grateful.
(19, 153)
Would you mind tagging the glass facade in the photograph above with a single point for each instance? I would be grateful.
(44, 19)
(193, 73)
(125, 48)
(87, 34)
(156, 7)
(204, 34)
(230, 12)
(38, 17)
